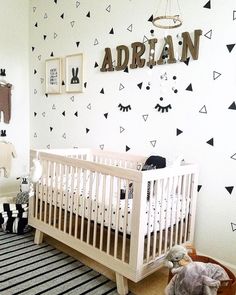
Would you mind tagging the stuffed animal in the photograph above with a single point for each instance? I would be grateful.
(177, 258)
(36, 171)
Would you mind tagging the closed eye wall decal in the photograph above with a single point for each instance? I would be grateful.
(124, 108)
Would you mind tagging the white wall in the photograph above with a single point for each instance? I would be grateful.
(14, 57)
(202, 114)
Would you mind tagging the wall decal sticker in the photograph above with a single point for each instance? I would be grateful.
(232, 106)
(72, 98)
(127, 148)
(41, 80)
(51, 128)
(87, 130)
(45, 15)
(106, 115)
(145, 117)
(163, 109)
(44, 114)
(44, 37)
(72, 23)
(233, 226)
(121, 87)
(36, 25)
(174, 90)
(35, 135)
(64, 113)
(140, 85)
(150, 18)
(130, 28)
(35, 91)
(111, 31)
(234, 15)
(102, 91)
(35, 72)
(55, 35)
(211, 141)
(208, 34)
(77, 4)
(89, 106)
(124, 108)
(101, 146)
(199, 188)
(48, 146)
(55, 1)
(46, 94)
(95, 65)
(126, 70)
(85, 84)
(77, 43)
(122, 129)
(208, 5)
(64, 135)
(39, 57)
(216, 75)
(51, 54)
(34, 9)
(178, 132)
(230, 47)
(187, 61)
(229, 189)
(148, 86)
(35, 114)
(233, 156)
(62, 15)
(32, 49)
(203, 110)
(95, 42)
(190, 87)
(153, 143)
(53, 107)
(76, 113)
(88, 14)
(108, 9)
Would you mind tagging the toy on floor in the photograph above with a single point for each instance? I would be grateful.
(192, 277)
(177, 258)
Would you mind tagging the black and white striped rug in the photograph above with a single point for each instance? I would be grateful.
(29, 269)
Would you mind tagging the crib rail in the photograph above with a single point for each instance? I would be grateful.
(121, 217)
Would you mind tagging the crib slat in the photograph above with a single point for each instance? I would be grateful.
(51, 175)
(155, 196)
(187, 200)
(150, 184)
(56, 193)
(61, 195)
(162, 181)
(111, 194)
(125, 220)
(71, 195)
(182, 209)
(178, 193)
(77, 202)
(96, 209)
(117, 217)
(83, 204)
(90, 199)
(102, 209)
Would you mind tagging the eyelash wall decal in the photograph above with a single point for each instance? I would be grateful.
(124, 108)
(163, 109)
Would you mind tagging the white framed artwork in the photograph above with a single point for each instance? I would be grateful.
(74, 72)
(53, 76)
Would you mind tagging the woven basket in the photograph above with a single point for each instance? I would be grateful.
(227, 287)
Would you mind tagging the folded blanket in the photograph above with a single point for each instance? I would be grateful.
(197, 278)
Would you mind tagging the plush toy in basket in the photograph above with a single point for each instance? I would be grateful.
(192, 274)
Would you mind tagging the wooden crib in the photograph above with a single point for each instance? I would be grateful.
(101, 204)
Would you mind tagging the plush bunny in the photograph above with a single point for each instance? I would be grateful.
(177, 258)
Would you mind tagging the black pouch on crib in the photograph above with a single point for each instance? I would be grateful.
(14, 218)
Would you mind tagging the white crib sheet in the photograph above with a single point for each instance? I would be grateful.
(161, 214)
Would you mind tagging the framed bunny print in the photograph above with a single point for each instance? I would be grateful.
(53, 76)
(74, 73)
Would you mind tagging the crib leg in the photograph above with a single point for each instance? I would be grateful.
(38, 237)
(122, 284)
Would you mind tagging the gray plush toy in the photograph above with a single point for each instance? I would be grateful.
(177, 258)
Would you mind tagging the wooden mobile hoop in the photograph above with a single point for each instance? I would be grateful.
(168, 16)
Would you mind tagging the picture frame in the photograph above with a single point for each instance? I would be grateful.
(74, 72)
(53, 75)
